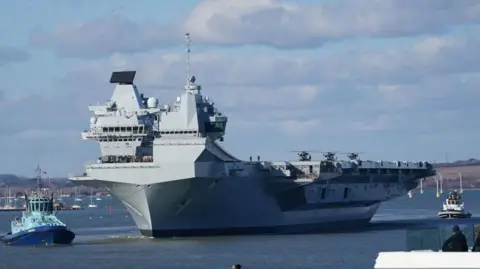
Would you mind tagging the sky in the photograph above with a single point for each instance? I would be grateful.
(395, 79)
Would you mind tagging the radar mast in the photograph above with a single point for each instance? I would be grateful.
(187, 61)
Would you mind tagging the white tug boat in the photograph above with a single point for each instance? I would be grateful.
(453, 207)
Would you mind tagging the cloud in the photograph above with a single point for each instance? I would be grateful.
(411, 89)
(426, 57)
(44, 128)
(285, 24)
(403, 99)
(280, 24)
(12, 55)
(103, 36)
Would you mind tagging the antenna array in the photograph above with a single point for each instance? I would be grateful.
(187, 61)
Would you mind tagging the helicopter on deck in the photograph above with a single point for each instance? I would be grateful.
(330, 156)
(304, 155)
(353, 155)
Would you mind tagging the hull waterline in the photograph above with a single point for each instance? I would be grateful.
(326, 227)
(41, 236)
(454, 215)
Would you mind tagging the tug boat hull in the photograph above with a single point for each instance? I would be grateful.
(40, 236)
(454, 215)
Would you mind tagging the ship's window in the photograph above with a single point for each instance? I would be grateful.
(215, 127)
(139, 139)
(123, 129)
(140, 129)
(129, 129)
(105, 129)
(115, 140)
(117, 129)
(110, 129)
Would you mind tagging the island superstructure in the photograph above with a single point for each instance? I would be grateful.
(167, 166)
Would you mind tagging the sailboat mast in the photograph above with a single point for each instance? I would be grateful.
(461, 185)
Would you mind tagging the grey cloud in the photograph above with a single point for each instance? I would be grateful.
(287, 25)
(397, 91)
(273, 23)
(105, 36)
(12, 55)
(63, 110)
(342, 75)
(49, 130)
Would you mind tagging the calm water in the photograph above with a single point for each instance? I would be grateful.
(111, 241)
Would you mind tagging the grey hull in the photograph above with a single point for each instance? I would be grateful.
(204, 207)
(326, 227)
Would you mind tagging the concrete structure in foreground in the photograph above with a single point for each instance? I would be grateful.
(427, 259)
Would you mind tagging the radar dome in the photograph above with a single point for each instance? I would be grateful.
(93, 120)
(152, 102)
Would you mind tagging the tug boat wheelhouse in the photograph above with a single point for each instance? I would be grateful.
(453, 207)
(38, 225)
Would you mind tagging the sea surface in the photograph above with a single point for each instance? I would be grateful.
(107, 240)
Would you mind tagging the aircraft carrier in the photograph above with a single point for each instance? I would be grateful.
(165, 163)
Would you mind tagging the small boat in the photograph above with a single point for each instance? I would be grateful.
(77, 199)
(453, 207)
(92, 204)
(38, 225)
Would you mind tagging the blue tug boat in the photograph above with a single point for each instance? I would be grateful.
(39, 226)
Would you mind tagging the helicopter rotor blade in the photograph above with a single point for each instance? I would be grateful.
(304, 151)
